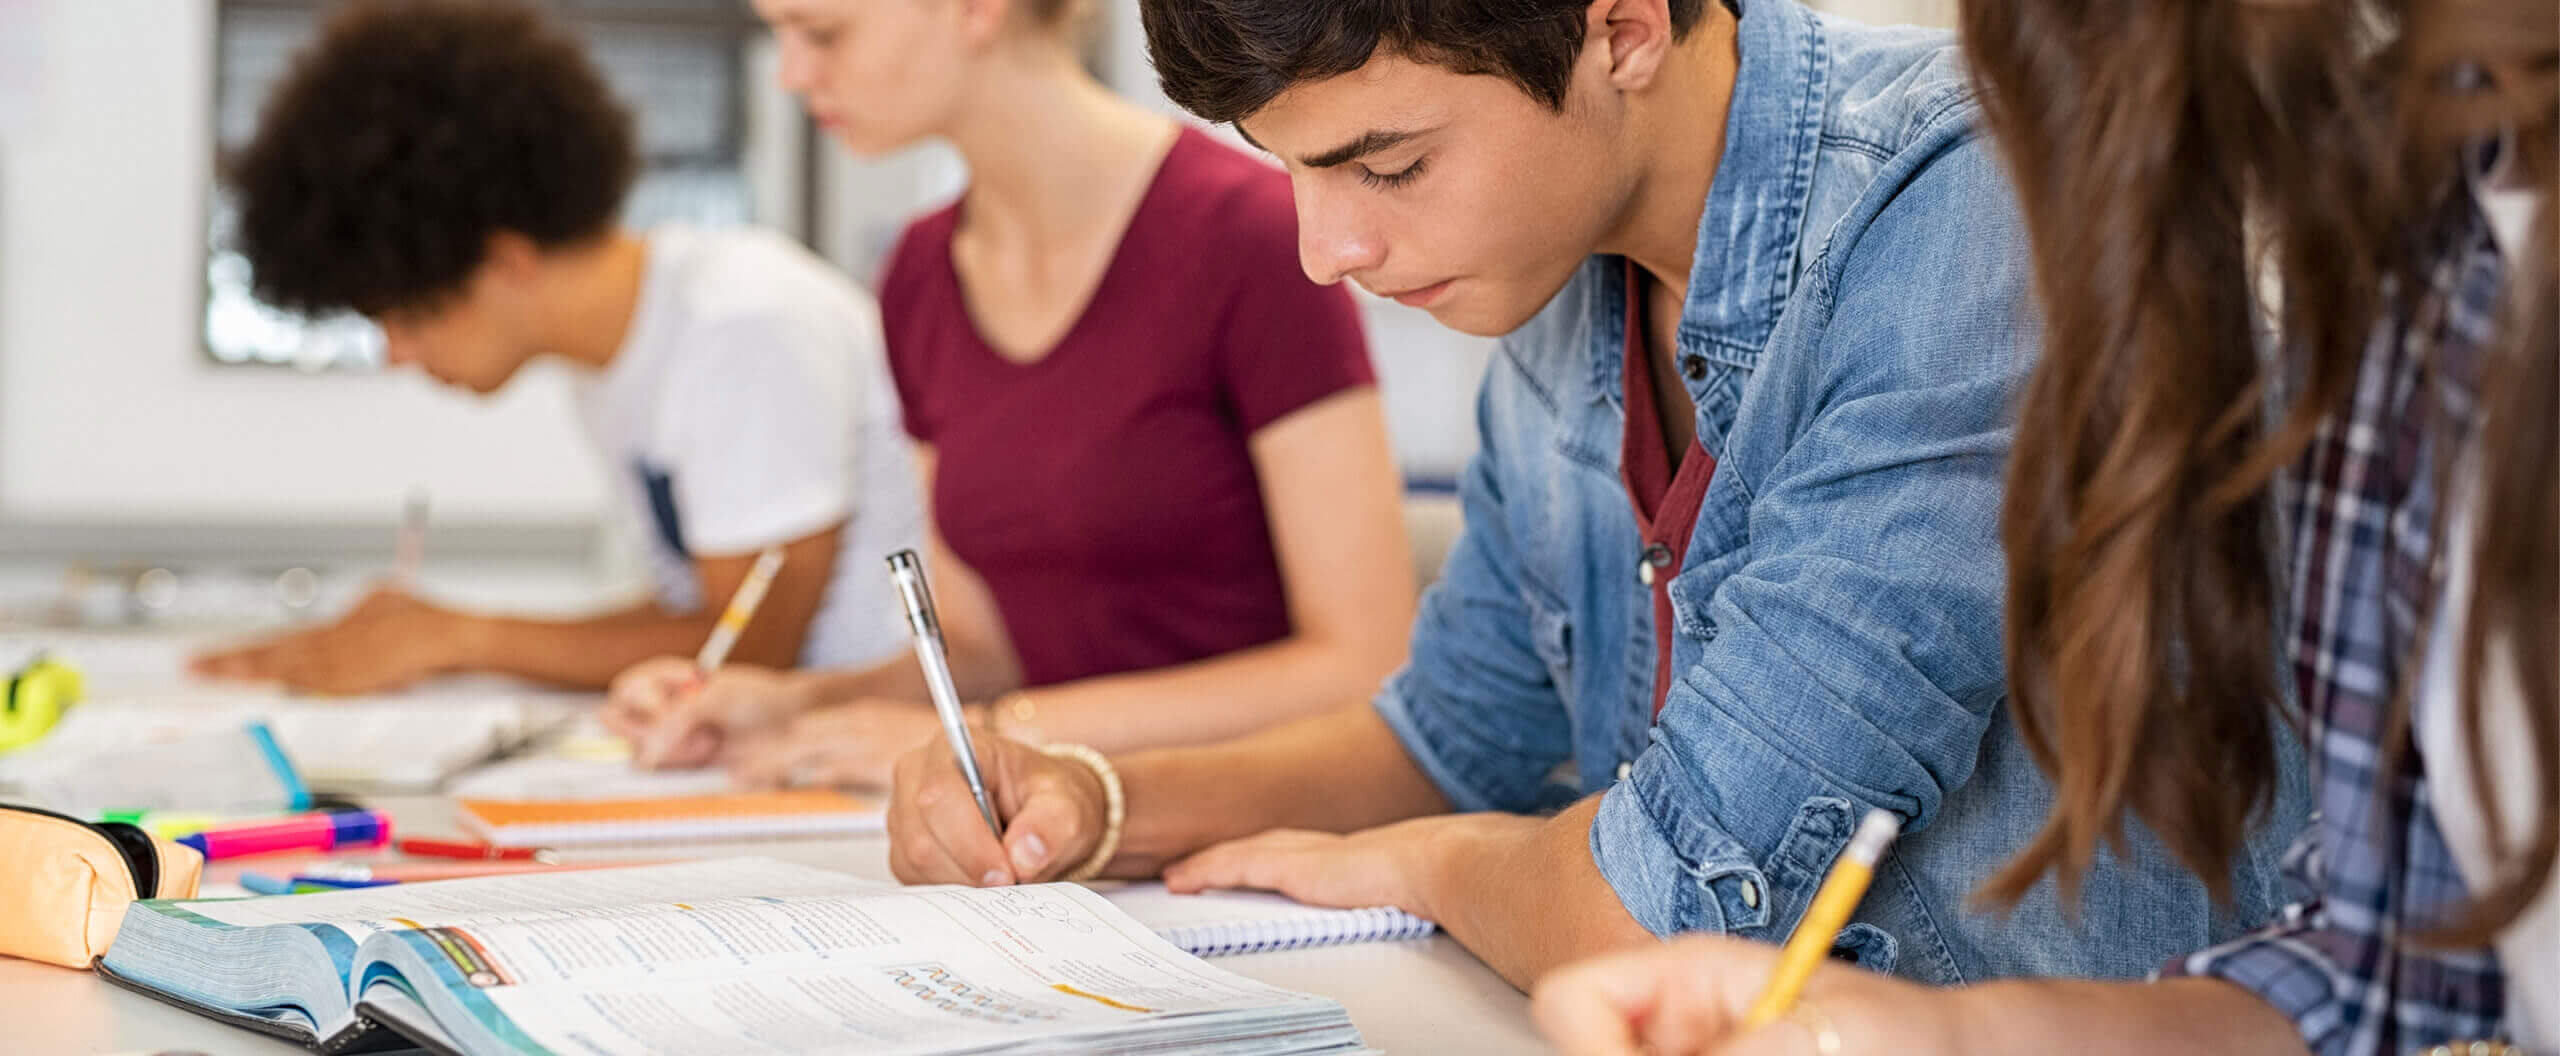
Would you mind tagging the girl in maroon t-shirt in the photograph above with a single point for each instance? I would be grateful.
(1163, 505)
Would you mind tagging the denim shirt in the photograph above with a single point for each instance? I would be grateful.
(1855, 334)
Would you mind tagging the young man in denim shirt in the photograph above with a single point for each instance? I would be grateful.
(1731, 573)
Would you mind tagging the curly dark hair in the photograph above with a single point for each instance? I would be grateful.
(410, 132)
(1223, 60)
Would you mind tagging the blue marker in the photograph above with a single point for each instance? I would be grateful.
(262, 884)
(338, 883)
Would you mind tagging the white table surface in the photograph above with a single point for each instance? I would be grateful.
(1426, 996)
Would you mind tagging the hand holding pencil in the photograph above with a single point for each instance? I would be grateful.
(701, 718)
(661, 705)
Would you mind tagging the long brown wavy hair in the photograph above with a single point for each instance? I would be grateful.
(2189, 169)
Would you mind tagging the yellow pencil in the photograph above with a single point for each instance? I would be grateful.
(1821, 924)
(648, 750)
(742, 607)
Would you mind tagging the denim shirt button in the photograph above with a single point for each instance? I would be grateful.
(1655, 556)
(1750, 894)
(1693, 368)
(1625, 769)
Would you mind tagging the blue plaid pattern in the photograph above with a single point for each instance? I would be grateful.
(2373, 871)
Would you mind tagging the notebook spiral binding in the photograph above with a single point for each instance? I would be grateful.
(1324, 928)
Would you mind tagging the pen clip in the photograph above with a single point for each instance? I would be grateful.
(915, 595)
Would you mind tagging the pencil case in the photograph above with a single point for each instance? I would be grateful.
(69, 882)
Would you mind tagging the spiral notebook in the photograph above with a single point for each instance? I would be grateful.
(736, 816)
(1221, 923)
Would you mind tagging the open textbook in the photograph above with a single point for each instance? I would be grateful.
(732, 956)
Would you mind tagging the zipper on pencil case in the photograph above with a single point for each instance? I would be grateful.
(131, 844)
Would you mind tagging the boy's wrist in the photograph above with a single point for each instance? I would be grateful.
(1454, 852)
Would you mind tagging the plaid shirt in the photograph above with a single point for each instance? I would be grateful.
(2372, 871)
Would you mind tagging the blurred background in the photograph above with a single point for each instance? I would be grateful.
(172, 452)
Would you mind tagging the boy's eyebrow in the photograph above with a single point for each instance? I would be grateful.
(1365, 144)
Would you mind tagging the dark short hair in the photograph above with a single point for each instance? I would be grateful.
(1226, 59)
(410, 132)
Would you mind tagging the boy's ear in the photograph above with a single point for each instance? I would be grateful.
(982, 21)
(510, 255)
(1633, 35)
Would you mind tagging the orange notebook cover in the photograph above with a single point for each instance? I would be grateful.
(735, 816)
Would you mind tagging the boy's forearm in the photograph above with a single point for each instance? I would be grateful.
(1523, 893)
(1337, 772)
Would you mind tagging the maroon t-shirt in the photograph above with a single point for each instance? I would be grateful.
(1106, 491)
(1666, 502)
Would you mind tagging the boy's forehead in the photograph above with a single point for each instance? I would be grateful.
(1389, 93)
(794, 10)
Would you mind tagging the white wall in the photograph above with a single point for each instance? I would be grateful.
(108, 409)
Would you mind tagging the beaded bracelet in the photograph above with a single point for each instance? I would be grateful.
(1115, 808)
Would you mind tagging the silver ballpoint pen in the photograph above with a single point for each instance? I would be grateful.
(909, 575)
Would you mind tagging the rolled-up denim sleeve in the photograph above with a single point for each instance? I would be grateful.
(1475, 705)
(1849, 656)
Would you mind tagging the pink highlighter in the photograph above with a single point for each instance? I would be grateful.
(310, 832)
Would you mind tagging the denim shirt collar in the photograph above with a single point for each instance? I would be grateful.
(1745, 264)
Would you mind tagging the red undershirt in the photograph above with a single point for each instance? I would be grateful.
(1666, 502)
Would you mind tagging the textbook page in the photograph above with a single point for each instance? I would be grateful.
(910, 971)
(587, 892)
(403, 740)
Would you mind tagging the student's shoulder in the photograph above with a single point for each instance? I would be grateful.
(1912, 174)
(736, 274)
(922, 252)
(1222, 198)
(1894, 90)
(754, 294)
(1920, 261)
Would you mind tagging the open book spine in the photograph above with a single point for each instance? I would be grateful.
(1325, 928)
(361, 1036)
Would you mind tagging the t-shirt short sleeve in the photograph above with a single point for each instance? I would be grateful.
(1287, 342)
(755, 437)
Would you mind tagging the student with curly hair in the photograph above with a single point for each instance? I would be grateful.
(452, 169)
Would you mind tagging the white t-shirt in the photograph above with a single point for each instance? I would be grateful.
(2529, 949)
(750, 405)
